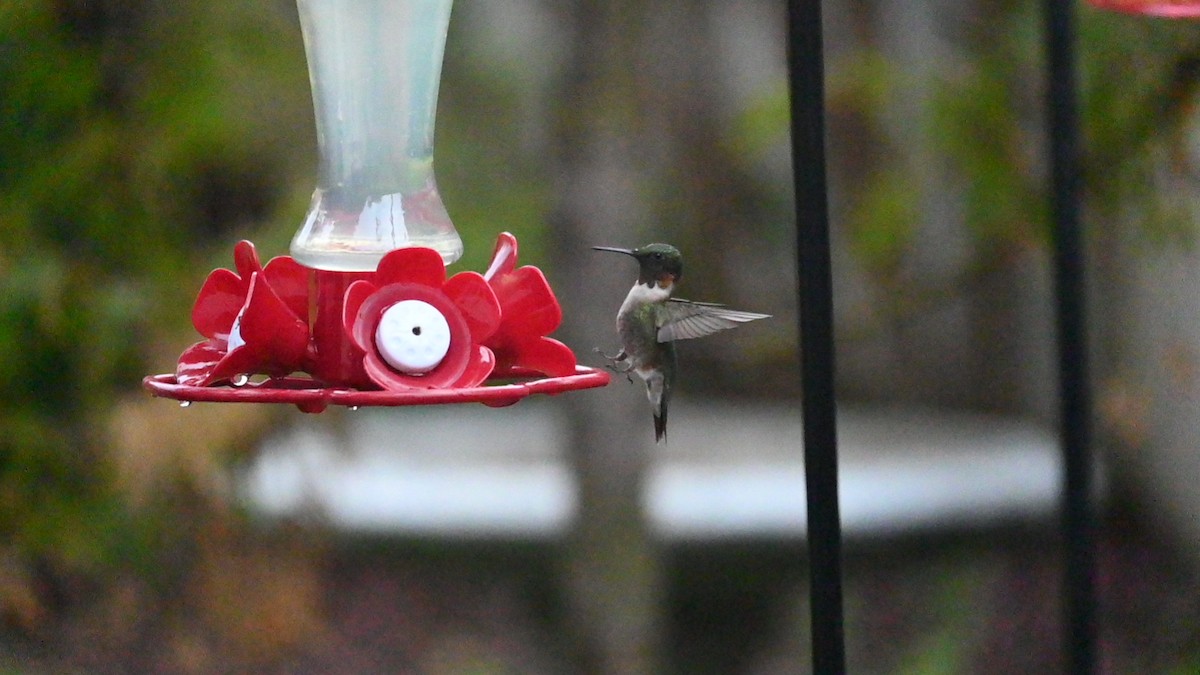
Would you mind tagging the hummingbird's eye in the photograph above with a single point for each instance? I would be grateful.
(658, 256)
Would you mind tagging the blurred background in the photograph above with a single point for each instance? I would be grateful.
(140, 140)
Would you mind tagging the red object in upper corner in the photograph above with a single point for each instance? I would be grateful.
(1171, 9)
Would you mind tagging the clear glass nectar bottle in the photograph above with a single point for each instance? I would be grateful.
(375, 67)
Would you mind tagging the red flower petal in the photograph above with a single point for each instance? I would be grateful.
(529, 306)
(504, 256)
(290, 281)
(477, 301)
(271, 340)
(411, 265)
(529, 311)
(276, 336)
(545, 355)
(356, 294)
(245, 259)
(218, 303)
(197, 361)
(478, 369)
(240, 361)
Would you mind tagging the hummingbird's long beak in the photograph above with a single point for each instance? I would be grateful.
(614, 250)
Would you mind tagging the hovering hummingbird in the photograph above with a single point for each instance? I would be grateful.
(650, 321)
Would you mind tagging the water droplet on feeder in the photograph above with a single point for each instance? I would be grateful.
(184, 404)
(353, 407)
(240, 380)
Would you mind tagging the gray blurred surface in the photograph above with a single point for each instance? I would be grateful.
(729, 471)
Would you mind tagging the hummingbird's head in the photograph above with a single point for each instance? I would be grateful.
(660, 264)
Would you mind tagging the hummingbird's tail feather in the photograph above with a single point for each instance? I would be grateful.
(658, 390)
(668, 368)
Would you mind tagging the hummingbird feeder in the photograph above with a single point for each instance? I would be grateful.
(363, 312)
(1171, 9)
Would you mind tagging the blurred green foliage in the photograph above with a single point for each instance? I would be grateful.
(1138, 84)
(48, 83)
(131, 134)
(1139, 88)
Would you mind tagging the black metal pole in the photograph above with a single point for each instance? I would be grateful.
(807, 90)
(1078, 518)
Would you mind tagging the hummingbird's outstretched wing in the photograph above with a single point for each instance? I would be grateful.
(686, 319)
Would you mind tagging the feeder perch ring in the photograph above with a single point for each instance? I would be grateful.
(310, 396)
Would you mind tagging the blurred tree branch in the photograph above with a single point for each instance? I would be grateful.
(612, 569)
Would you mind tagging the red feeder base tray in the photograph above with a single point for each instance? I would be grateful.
(310, 396)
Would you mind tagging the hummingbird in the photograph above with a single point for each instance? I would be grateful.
(650, 321)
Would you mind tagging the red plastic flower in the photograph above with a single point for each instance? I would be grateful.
(252, 320)
(529, 312)
(418, 329)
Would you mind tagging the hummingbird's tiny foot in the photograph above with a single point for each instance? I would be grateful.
(619, 356)
(617, 359)
(620, 371)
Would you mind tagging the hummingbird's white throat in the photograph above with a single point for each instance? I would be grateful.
(641, 294)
